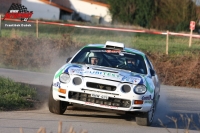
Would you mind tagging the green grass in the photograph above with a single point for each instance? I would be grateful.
(15, 96)
(145, 42)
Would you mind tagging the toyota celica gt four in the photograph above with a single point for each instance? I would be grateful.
(108, 77)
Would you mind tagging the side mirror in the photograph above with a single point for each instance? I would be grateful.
(152, 72)
(68, 59)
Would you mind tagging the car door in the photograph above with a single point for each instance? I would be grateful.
(154, 77)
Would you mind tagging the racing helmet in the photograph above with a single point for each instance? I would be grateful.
(95, 55)
(130, 62)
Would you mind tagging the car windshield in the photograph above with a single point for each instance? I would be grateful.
(111, 58)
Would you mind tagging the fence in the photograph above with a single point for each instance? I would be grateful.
(65, 32)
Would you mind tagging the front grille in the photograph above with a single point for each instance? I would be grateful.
(101, 86)
(109, 102)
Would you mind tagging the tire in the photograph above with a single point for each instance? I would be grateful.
(57, 107)
(146, 118)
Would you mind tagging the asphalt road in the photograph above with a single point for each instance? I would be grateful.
(176, 103)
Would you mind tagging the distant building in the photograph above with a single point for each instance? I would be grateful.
(92, 11)
(44, 9)
(87, 10)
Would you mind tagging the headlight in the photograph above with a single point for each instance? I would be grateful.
(64, 78)
(140, 89)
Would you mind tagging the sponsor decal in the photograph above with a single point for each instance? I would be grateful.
(57, 84)
(92, 72)
(148, 101)
(18, 11)
(77, 69)
(136, 79)
(60, 71)
(113, 51)
(132, 79)
(106, 51)
(72, 66)
(146, 97)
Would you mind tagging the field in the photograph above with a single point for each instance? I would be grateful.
(181, 67)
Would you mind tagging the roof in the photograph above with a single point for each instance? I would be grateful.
(56, 5)
(97, 3)
(131, 50)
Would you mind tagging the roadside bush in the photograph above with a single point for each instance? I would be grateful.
(182, 70)
(29, 52)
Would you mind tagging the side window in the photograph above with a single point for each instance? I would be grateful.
(149, 63)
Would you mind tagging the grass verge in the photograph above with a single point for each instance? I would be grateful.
(15, 96)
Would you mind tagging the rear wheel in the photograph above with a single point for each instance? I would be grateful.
(146, 118)
(57, 107)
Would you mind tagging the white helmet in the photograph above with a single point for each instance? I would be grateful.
(95, 55)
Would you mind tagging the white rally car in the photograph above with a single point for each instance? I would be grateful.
(109, 77)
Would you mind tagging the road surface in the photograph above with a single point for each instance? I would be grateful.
(176, 103)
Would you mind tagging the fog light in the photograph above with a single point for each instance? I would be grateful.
(126, 88)
(77, 81)
(62, 90)
(138, 102)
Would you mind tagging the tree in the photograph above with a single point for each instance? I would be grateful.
(174, 14)
(145, 10)
(158, 14)
(138, 12)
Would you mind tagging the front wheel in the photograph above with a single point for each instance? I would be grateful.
(146, 118)
(57, 107)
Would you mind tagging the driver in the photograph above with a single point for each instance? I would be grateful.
(131, 64)
(94, 59)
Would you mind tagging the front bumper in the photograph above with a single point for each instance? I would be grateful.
(113, 100)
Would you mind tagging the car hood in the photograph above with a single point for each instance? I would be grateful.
(101, 73)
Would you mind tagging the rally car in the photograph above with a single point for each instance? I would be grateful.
(108, 77)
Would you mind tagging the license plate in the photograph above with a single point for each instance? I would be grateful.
(99, 96)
